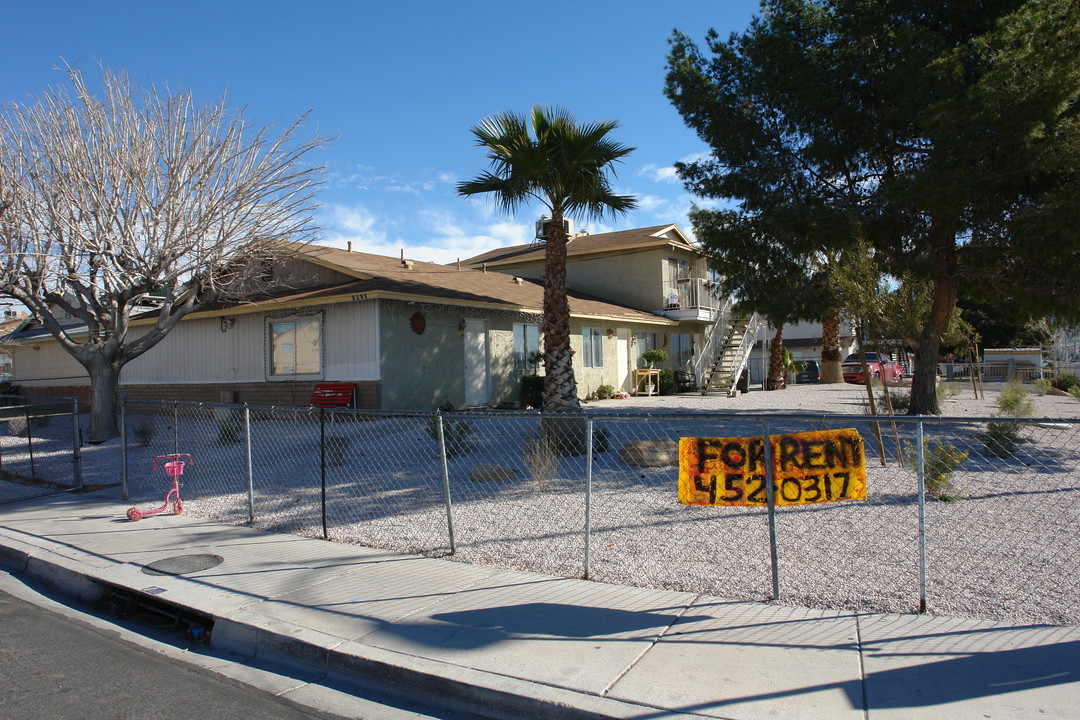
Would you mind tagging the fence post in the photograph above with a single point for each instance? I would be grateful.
(76, 442)
(322, 467)
(250, 473)
(29, 440)
(770, 496)
(123, 447)
(176, 427)
(919, 475)
(445, 482)
(588, 493)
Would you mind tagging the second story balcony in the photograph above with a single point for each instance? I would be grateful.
(690, 299)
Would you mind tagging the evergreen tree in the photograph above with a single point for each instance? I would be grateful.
(944, 131)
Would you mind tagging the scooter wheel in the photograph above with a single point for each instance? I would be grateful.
(134, 514)
(178, 507)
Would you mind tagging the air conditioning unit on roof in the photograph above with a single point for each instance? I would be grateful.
(544, 222)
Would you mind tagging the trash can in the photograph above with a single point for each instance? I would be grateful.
(744, 382)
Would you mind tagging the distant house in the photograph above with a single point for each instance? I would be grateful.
(409, 335)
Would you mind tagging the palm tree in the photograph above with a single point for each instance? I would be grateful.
(565, 167)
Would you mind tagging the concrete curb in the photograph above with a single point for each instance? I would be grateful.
(340, 663)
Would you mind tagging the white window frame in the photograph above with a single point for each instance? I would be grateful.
(526, 343)
(295, 319)
(592, 346)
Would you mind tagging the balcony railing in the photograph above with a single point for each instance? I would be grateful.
(689, 294)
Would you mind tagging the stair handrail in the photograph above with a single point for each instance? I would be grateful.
(746, 346)
(704, 358)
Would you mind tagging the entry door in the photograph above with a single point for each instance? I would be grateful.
(477, 369)
(622, 360)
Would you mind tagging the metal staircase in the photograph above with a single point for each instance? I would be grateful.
(730, 352)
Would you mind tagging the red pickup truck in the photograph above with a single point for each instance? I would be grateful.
(880, 365)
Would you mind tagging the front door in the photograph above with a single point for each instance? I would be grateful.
(477, 369)
(622, 360)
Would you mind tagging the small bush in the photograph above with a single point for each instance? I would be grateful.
(336, 447)
(1014, 401)
(603, 392)
(601, 440)
(17, 426)
(1065, 381)
(1001, 438)
(1042, 385)
(940, 460)
(144, 432)
(1075, 392)
(666, 383)
(455, 435)
(946, 391)
(532, 390)
(901, 401)
(541, 460)
(231, 430)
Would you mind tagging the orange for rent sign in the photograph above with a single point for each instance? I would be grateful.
(808, 468)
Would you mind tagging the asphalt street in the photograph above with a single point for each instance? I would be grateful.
(57, 662)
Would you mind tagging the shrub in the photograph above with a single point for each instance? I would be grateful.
(901, 401)
(1014, 401)
(336, 446)
(17, 426)
(603, 392)
(231, 429)
(945, 391)
(654, 356)
(532, 390)
(601, 440)
(1065, 381)
(541, 460)
(940, 460)
(455, 435)
(1075, 392)
(666, 383)
(144, 432)
(1001, 438)
(1042, 385)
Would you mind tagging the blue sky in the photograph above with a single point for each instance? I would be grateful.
(399, 85)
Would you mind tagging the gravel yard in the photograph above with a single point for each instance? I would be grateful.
(1007, 548)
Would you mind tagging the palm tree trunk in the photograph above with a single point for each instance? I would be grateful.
(775, 381)
(565, 436)
(831, 371)
(560, 386)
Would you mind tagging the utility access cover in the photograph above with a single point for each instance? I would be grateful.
(182, 564)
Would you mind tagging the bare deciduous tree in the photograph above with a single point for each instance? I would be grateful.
(135, 200)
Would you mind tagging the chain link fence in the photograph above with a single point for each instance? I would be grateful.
(39, 447)
(990, 532)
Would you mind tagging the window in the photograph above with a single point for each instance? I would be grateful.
(645, 341)
(526, 344)
(594, 348)
(682, 353)
(295, 346)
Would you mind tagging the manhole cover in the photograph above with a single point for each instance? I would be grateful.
(182, 564)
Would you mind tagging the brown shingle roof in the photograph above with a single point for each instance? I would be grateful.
(583, 245)
(388, 277)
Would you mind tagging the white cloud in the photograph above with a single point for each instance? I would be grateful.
(431, 234)
(657, 173)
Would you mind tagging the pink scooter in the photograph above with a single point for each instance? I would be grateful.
(174, 468)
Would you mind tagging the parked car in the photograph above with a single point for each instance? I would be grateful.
(810, 373)
(880, 365)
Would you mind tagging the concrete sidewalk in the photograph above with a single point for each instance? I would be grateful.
(511, 644)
